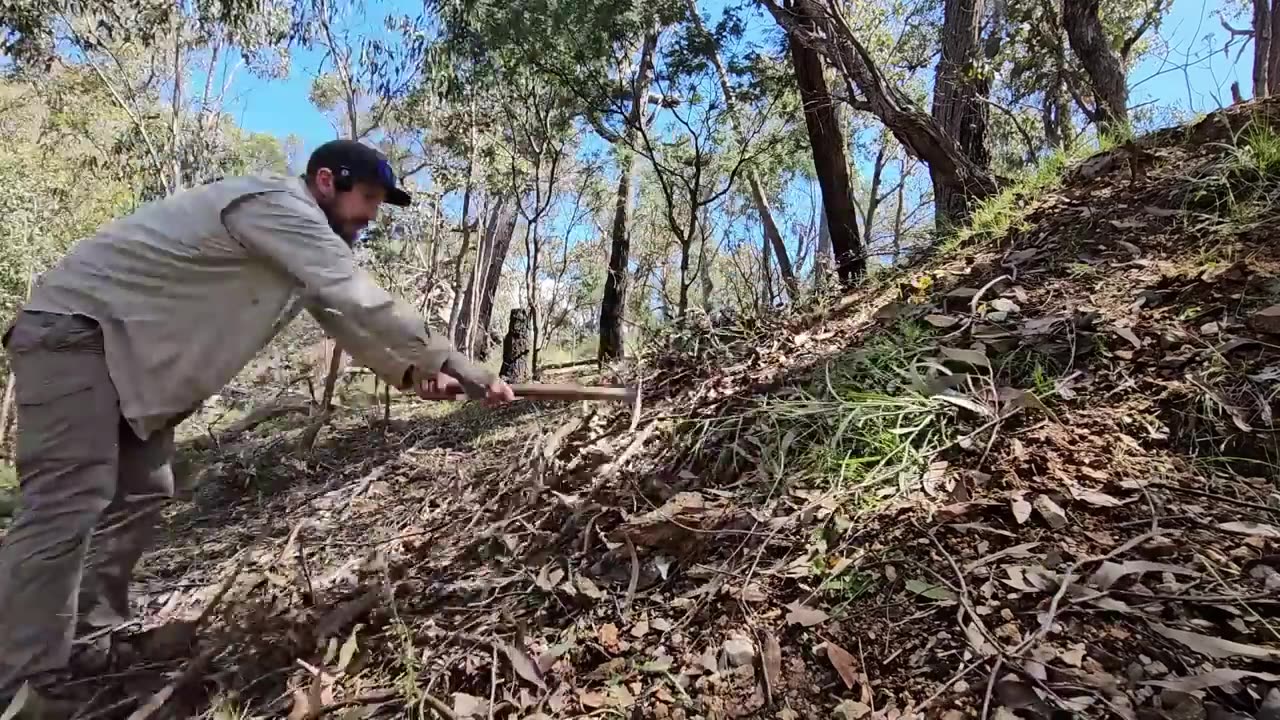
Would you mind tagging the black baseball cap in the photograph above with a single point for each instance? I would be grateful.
(361, 163)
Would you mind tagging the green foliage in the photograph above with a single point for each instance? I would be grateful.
(1005, 211)
(43, 212)
(867, 429)
(8, 492)
(1241, 186)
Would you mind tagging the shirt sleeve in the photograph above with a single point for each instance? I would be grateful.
(380, 331)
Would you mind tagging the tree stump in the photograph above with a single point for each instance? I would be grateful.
(515, 348)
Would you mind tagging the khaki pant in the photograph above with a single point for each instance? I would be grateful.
(91, 493)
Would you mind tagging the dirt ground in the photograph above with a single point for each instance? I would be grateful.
(1099, 536)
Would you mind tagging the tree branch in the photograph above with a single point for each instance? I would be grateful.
(1153, 14)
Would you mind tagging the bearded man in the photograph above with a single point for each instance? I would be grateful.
(132, 331)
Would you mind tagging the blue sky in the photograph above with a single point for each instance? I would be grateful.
(1188, 74)
(1190, 30)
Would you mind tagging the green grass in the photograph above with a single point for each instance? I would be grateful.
(868, 429)
(996, 216)
(8, 492)
(1242, 186)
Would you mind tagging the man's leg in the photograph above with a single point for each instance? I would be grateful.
(127, 527)
(67, 451)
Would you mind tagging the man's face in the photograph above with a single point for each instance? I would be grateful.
(349, 213)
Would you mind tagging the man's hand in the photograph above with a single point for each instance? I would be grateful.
(430, 386)
(499, 393)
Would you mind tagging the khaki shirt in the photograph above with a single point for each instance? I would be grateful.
(190, 288)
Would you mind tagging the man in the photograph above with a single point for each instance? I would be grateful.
(135, 328)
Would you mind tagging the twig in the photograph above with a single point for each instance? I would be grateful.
(866, 676)
(373, 698)
(441, 709)
(157, 701)
(493, 679)
(635, 409)
(635, 575)
(306, 572)
(991, 686)
(916, 709)
(965, 601)
(977, 297)
(1215, 496)
(1067, 578)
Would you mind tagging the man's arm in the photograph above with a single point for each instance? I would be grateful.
(379, 330)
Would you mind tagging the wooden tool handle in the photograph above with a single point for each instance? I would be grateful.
(553, 391)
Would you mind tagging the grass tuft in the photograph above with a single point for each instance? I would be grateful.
(869, 429)
(1242, 186)
(1007, 210)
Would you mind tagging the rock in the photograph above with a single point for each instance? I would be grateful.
(852, 710)
(1155, 548)
(738, 651)
(1135, 673)
(1157, 669)
(1270, 709)
(1181, 706)
(1266, 320)
(954, 715)
(1050, 511)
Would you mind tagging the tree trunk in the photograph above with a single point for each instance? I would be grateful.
(1101, 64)
(470, 331)
(1261, 48)
(827, 144)
(766, 275)
(772, 236)
(898, 216)
(503, 234)
(455, 308)
(916, 130)
(958, 106)
(873, 194)
(5, 406)
(613, 304)
(1055, 113)
(175, 122)
(515, 348)
(771, 233)
(1273, 61)
(822, 257)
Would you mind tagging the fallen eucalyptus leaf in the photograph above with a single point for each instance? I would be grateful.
(844, 664)
(1211, 679)
(1245, 527)
(465, 705)
(524, 665)
(972, 357)
(933, 592)
(1214, 647)
(805, 615)
(1109, 572)
(1095, 498)
(586, 587)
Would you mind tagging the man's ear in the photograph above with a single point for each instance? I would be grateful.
(324, 182)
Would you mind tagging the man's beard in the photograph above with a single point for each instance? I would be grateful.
(335, 224)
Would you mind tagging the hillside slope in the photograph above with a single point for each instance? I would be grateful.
(1033, 475)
